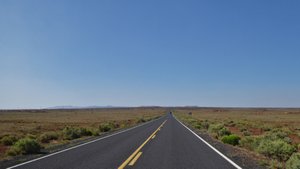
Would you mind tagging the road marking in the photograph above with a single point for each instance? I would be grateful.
(135, 159)
(217, 151)
(153, 136)
(61, 151)
(141, 146)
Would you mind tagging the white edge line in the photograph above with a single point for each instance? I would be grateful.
(58, 152)
(217, 151)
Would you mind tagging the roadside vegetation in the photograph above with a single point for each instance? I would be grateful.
(272, 134)
(32, 131)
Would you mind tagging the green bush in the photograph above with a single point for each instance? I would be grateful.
(48, 136)
(25, 146)
(214, 128)
(84, 132)
(231, 139)
(224, 132)
(274, 164)
(141, 120)
(70, 133)
(198, 126)
(106, 127)
(276, 134)
(250, 142)
(293, 162)
(278, 149)
(266, 128)
(192, 121)
(8, 140)
(31, 136)
(95, 132)
(219, 129)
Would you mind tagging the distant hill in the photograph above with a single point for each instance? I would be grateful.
(79, 107)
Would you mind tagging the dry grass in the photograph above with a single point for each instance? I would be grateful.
(38, 121)
(289, 118)
(34, 123)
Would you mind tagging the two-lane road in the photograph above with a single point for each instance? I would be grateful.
(163, 143)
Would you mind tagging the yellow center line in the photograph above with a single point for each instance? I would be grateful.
(153, 136)
(135, 159)
(138, 149)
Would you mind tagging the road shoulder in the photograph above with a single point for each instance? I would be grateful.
(245, 159)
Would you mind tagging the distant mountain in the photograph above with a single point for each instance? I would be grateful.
(79, 107)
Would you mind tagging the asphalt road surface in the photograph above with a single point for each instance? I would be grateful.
(161, 144)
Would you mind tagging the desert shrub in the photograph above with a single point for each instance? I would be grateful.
(24, 146)
(141, 120)
(106, 127)
(277, 149)
(288, 140)
(214, 128)
(191, 120)
(250, 142)
(230, 123)
(117, 125)
(231, 139)
(243, 128)
(8, 140)
(31, 136)
(293, 162)
(48, 136)
(214, 135)
(95, 132)
(13, 151)
(276, 164)
(84, 132)
(205, 124)
(198, 126)
(70, 133)
(277, 134)
(223, 132)
(219, 129)
(246, 133)
(266, 128)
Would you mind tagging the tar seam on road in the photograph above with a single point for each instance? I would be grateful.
(140, 147)
(217, 151)
(64, 150)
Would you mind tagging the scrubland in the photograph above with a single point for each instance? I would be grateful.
(272, 134)
(30, 131)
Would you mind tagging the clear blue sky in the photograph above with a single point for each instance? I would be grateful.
(165, 53)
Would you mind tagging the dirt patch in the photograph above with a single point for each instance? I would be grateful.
(235, 130)
(295, 138)
(256, 131)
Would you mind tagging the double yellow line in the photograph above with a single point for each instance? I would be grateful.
(136, 154)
